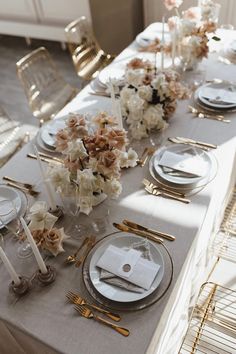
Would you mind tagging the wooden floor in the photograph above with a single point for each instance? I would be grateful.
(12, 97)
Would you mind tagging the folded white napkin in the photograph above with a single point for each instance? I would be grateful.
(227, 95)
(129, 265)
(187, 163)
(131, 269)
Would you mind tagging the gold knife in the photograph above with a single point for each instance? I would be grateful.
(145, 234)
(211, 146)
(151, 231)
(45, 159)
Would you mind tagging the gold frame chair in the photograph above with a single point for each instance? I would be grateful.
(46, 90)
(87, 56)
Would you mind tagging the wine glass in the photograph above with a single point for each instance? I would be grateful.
(10, 220)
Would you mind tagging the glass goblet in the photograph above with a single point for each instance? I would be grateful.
(9, 219)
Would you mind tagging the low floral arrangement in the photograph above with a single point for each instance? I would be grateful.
(93, 156)
(46, 236)
(189, 31)
(149, 98)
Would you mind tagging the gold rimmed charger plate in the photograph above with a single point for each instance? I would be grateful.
(188, 191)
(211, 109)
(135, 305)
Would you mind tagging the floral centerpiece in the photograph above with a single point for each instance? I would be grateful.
(93, 156)
(149, 97)
(190, 32)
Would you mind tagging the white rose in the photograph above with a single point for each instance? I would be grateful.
(76, 150)
(113, 188)
(85, 179)
(158, 81)
(134, 77)
(128, 159)
(145, 92)
(60, 177)
(138, 131)
(153, 115)
(135, 103)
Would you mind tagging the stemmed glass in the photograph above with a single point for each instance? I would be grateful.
(10, 220)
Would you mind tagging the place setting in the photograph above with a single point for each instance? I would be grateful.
(181, 169)
(217, 96)
(119, 284)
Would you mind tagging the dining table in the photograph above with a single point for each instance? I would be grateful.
(43, 322)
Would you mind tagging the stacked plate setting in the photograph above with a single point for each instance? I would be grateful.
(46, 137)
(117, 297)
(182, 167)
(19, 200)
(217, 96)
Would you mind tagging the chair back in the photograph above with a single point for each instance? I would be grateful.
(45, 88)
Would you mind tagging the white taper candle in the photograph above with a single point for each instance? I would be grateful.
(119, 114)
(52, 202)
(162, 43)
(9, 267)
(34, 247)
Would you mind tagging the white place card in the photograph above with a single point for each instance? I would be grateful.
(129, 265)
(187, 163)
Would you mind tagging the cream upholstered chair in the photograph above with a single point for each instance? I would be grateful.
(87, 55)
(46, 90)
(13, 135)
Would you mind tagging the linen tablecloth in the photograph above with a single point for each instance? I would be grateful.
(42, 322)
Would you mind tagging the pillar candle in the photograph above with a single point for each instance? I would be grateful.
(52, 203)
(34, 247)
(9, 267)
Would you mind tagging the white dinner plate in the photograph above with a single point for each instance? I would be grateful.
(12, 195)
(145, 38)
(221, 85)
(113, 292)
(48, 131)
(106, 74)
(176, 180)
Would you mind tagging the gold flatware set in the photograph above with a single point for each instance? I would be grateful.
(190, 142)
(78, 300)
(134, 225)
(87, 313)
(147, 153)
(45, 158)
(25, 187)
(83, 307)
(157, 191)
(201, 114)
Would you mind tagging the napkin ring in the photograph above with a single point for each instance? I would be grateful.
(22, 288)
(47, 278)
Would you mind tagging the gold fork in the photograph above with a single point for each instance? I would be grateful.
(160, 193)
(78, 300)
(26, 185)
(147, 183)
(87, 313)
(30, 191)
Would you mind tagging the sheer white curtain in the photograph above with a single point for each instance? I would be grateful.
(154, 10)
